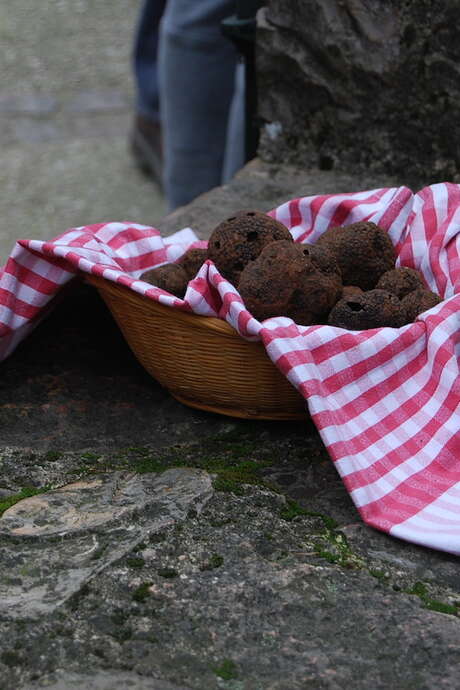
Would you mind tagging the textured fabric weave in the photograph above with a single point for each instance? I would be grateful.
(385, 400)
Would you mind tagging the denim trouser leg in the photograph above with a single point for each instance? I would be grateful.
(145, 58)
(197, 71)
(235, 150)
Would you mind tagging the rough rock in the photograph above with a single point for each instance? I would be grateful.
(361, 85)
(52, 543)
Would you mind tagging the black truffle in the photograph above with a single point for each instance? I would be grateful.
(371, 309)
(350, 290)
(240, 239)
(417, 302)
(288, 279)
(169, 277)
(192, 261)
(363, 251)
(400, 281)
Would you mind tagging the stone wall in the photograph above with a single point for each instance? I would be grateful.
(361, 84)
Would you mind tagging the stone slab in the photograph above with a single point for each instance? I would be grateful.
(53, 543)
(241, 597)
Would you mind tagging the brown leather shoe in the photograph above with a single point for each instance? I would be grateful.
(146, 147)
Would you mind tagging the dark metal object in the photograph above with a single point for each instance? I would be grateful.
(240, 28)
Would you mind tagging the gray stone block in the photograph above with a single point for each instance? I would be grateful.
(355, 85)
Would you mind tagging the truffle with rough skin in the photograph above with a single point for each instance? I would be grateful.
(169, 277)
(400, 281)
(363, 251)
(372, 309)
(289, 279)
(417, 302)
(240, 239)
(349, 290)
(192, 261)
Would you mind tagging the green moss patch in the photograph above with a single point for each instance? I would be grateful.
(52, 455)
(234, 460)
(329, 543)
(421, 590)
(26, 492)
(227, 670)
(142, 592)
(214, 562)
(135, 562)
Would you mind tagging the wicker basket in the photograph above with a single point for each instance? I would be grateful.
(202, 361)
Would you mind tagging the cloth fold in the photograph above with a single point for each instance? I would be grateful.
(385, 401)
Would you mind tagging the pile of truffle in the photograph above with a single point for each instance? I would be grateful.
(347, 279)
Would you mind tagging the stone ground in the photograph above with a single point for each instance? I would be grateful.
(144, 544)
(246, 567)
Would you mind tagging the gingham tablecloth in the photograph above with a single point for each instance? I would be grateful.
(385, 400)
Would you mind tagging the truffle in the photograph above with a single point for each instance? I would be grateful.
(363, 251)
(169, 277)
(400, 281)
(417, 302)
(349, 290)
(371, 309)
(192, 261)
(288, 279)
(240, 239)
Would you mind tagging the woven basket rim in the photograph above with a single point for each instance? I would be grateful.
(194, 320)
(223, 357)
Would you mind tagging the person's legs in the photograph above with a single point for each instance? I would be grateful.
(197, 70)
(146, 135)
(235, 147)
(145, 59)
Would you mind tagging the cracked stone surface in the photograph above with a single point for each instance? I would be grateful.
(53, 543)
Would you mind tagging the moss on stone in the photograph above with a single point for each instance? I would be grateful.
(215, 561)
(52, 455)
(333, 546)
(329, 543)
(26, 492)
(135, 562)
(293, 510)
(227, 670)
(420, 590)
(142, 592)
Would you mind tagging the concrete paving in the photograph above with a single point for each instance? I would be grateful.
(66, 103)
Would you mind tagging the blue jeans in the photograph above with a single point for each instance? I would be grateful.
(145, 58)
(200, 92)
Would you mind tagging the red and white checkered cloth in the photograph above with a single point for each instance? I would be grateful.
(385, 400)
